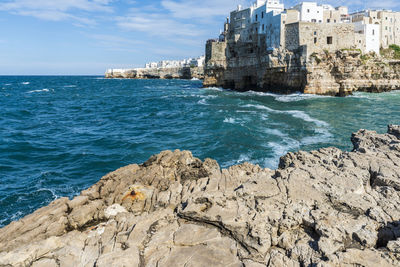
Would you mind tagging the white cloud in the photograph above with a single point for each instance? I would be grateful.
(158, 25)
(57, 10)
(195, 9)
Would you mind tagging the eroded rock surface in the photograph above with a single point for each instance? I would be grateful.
(320, 208)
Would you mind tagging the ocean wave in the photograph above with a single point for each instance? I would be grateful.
(229, 120)
(69, 86)
(202, 102)
(38, 91)
(294, 113)
(298, 96)
(242, 159)
(257, 106)
(305, 117)
(25, 83)
(214, 89)
(275, 132)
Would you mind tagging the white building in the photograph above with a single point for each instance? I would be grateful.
(189, 62)
(367, 37)
(310, 12)
(260, 9)
(274, 30)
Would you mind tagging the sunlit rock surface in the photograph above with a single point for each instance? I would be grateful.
(320, 208)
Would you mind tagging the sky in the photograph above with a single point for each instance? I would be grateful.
(85, 37)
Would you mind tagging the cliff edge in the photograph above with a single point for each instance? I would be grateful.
(157, 73)
(321, 208)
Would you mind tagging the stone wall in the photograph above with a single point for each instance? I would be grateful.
(157, 73)
(319, 36)
(215, 62)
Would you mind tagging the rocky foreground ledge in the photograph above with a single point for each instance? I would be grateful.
(323, 208)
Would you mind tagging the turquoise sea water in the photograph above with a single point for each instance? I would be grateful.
(60, 135)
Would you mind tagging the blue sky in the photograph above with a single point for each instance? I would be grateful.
(87, 36)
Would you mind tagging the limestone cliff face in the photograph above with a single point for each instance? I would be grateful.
(244, 67)
(320, 208)
(157, 73)
(345, 72)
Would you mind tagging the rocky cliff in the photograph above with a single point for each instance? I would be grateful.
(321, 208)
(157, 73)
(245, 67)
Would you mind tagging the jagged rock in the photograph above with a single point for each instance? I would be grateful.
(321, 208)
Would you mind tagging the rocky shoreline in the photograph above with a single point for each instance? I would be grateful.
(186, 73)
(321, 208)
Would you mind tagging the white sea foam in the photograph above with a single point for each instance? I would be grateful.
(229, 120)
(297, 97)
(202, 102)
(54, 195)
(259, 107)
(214, 88)
(275, 132)
(38, 91)
(70, 86)
(295, 113)
(242, 158)
(322, 136)
(304, 116)
(25, 83)
(195, 79)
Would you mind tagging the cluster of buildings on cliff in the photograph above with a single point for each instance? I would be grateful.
(312, 27)
(164, 64)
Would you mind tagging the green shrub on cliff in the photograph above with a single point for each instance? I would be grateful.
(316, 58)
(396, 50)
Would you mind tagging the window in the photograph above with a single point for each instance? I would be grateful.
(262, 15)
(308, 11)
(256, 17)
(328, 20)
(373, 32)
(313, 20)
(335, 21)
(263, 27)
(329, 40)
(315, 33)
(315, 40)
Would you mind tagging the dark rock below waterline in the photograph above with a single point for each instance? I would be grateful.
(320, 208)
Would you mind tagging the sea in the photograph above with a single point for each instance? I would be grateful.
(60, 135)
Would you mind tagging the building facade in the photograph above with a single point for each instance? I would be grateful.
(309, 24)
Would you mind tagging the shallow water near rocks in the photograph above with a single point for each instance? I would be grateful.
(60, 135)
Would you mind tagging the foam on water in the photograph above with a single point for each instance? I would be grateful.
(230, 120)
(25, 83)
(295, 113)
(38, 91)
(202, 102)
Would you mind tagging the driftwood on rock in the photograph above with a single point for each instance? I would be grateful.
(321, 208)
